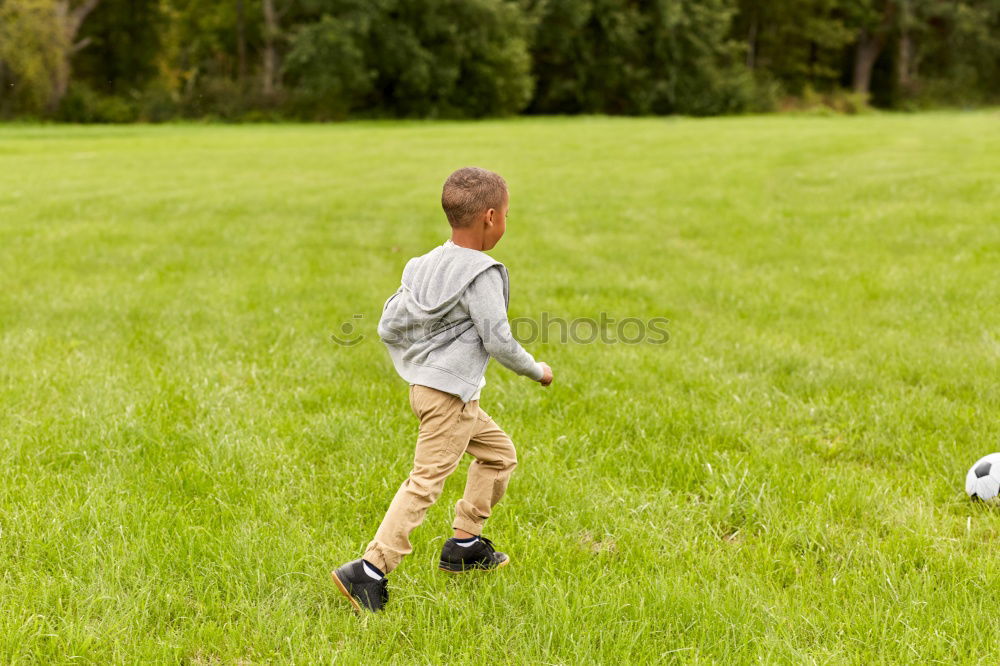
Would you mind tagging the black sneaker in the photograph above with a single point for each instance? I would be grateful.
(361, 589)
(480, 555)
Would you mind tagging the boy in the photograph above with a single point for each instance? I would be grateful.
(442, 326)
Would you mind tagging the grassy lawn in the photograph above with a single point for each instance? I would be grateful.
(187, 454)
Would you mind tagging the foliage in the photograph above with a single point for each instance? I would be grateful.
(336, 59)
(82, 104)
(412, 58)
(959, 54)
(693, 61)
(829, 102)
(327, 68)
(799, 42)
(126, 38)
(32, 55)
(449, 58)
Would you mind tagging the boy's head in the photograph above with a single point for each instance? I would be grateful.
(476, 203)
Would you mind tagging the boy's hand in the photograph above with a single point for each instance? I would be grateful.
(546, 374)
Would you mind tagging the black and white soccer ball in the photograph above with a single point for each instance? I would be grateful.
(983, 480)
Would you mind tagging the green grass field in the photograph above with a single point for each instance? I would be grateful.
(187, 454)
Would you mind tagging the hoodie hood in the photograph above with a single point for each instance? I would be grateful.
(435, 281)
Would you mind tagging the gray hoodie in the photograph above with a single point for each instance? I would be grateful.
(448, 318)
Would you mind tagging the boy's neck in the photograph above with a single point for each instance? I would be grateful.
(468, 238)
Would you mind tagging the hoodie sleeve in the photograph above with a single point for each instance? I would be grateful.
(485, 301)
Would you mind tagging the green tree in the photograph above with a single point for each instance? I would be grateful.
(327, 67)
(695, 66)
(33, 52)
(125, 40)
(38, 39)
(420, 58)
(949, 51)
(586, 55)
(800, 43)
(70, 17)
(621, 56)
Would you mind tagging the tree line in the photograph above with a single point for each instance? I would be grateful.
(154, 60)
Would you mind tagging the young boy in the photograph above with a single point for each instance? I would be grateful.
(442, 326)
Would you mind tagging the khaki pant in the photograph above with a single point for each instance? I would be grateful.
(448, 428)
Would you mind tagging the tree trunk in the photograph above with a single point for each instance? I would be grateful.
(752, 43)
(3, 90)
(870, 43)
(241, 43)
(904, 63)
(865, 55)
(70, 20)
(270, 63)
(905, 66)
(813, 59)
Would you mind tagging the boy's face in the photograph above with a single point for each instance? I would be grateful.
(495, 224)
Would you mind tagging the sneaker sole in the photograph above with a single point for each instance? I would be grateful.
(442, 566)
(343, 590)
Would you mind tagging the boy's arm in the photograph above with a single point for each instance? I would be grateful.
(485, 301)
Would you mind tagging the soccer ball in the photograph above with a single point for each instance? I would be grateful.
(983, 480)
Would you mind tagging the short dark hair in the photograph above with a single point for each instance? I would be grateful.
(471, 191)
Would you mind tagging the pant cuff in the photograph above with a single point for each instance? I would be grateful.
(375, 556)
(467, 525)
